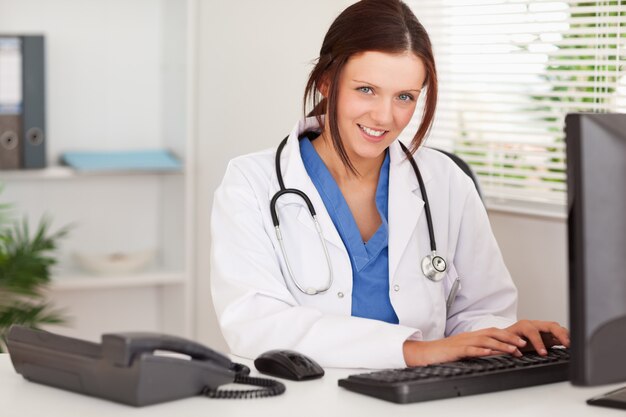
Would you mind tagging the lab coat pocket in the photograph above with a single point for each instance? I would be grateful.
(452, 287)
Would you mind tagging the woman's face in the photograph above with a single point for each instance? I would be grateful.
(377, 96)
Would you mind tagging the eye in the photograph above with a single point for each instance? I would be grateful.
(406, 97)
(366, 90)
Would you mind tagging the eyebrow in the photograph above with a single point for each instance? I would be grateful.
(375, 86)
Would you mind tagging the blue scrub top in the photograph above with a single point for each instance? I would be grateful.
(370, 260)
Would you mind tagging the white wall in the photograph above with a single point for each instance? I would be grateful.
(535, 251)
(253, 62)
(96, 52)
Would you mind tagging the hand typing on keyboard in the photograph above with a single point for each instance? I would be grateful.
(486, 342)
(541, 334)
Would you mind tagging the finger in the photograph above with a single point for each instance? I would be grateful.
(561, 334)
(533, 335)
(506, 336)
(474, 351)
(549, 340)
(494, 344)
(565, 339)
(517, 353)
(556, 330)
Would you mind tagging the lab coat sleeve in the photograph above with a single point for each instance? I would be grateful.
(254, 307)
(487, 297)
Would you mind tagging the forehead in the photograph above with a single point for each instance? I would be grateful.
(404, 71)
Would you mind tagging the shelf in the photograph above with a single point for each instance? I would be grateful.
(64, 173)
(71, 282)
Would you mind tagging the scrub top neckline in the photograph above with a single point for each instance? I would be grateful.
(362, 252)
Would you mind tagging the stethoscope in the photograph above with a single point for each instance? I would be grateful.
(434, 266)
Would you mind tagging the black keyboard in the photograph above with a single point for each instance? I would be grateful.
(465, 377)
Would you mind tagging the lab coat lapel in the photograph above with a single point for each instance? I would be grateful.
(405, 204)
(295, 176)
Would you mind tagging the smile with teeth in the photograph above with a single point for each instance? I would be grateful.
(372, 132)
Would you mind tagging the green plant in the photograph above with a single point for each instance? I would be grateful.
(25, 263)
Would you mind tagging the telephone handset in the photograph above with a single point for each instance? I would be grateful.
(121, 348)
(124, 367)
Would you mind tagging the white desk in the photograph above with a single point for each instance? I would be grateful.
(321, 397)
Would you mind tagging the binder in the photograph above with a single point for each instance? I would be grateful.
(33, 102)
(10, 102)
(22, 102)
(10, 152)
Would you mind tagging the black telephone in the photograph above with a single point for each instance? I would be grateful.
(124, 367)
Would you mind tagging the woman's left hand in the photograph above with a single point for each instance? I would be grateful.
(541, 334)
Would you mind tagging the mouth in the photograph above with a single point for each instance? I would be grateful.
(372, 134)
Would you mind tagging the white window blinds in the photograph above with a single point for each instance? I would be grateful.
(509, 71)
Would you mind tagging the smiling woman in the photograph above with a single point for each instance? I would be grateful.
(396, 264)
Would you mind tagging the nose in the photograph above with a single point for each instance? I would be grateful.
(382, 112)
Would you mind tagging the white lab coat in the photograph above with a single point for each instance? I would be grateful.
(259, 308)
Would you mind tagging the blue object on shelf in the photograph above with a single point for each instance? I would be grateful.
(147, 160)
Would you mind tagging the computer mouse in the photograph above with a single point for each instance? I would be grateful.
(288, 364)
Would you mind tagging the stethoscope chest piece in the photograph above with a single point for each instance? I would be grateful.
(434, 267)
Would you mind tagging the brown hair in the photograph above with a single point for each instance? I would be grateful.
(369, 25)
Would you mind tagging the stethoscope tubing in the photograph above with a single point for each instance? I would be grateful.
(284, 191)
(429, 217)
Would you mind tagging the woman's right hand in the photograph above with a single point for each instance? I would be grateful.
(478, 343)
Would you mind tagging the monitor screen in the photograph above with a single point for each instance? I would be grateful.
(596, 188)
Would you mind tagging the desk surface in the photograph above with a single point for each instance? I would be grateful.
(322, 397)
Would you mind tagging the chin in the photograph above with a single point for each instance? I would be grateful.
(370, 151)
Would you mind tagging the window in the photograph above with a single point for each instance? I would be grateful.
(509, 72)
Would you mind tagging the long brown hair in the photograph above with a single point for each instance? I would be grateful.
(369, 25)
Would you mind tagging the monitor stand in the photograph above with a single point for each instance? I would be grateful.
(613, 399)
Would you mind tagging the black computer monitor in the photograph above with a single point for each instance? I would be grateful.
(596, 189)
